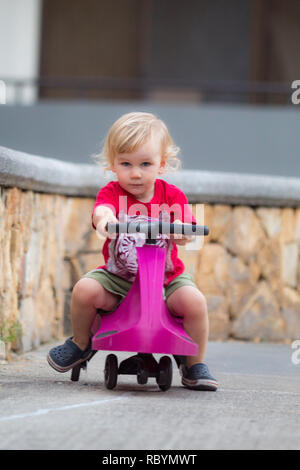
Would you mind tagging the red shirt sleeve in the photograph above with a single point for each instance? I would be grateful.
(107, 196)
(180, 206)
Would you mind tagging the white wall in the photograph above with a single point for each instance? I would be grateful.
(19, 45)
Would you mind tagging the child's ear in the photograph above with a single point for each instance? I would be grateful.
(112, 167)
(162, 167)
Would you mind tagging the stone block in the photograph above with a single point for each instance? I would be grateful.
(219, 322)
(260, 317)
(290, 262)
(270, 219)
(240, 286)
(220, 221)
(244, 236)
(212, 271)
(77, 227)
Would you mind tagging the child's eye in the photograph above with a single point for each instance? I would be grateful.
(125, 163)
(146, 164)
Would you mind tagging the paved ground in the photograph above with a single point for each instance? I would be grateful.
(257, 405)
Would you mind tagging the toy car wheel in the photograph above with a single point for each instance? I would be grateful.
(111, 371)
(165, 373)
(75, 373)
(142, 377)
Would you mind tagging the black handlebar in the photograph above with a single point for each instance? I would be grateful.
(152, 229)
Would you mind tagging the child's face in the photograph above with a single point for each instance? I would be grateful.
(137, 171)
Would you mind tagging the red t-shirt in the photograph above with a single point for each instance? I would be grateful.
(167, 197)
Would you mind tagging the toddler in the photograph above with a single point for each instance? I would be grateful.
(138, 148)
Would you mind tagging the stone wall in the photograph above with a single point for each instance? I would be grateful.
(248, 268)
(249, 271)
(46, 243)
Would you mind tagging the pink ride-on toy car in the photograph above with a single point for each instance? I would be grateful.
(142, 323)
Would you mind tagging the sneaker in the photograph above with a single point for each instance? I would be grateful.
(197, 377)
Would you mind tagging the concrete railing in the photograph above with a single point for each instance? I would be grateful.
(55, 176)
(248, 268)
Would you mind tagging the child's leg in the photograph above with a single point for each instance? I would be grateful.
(87, 296)
(188, 302)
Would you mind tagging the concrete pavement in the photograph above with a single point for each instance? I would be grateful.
(257, 405)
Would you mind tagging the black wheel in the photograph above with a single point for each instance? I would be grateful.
(142, 377)
(165, 373)
(75, 373)
(111, 371)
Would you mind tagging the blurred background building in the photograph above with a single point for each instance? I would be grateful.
(219, 73)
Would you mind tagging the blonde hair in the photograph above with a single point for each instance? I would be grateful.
(131, 131)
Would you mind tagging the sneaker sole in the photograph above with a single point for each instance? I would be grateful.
(203, 384)
(65, 369)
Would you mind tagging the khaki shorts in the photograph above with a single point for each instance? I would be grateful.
(119, 286)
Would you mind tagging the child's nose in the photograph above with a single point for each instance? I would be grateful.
(135, 173)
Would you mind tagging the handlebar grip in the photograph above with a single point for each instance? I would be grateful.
(152, 229)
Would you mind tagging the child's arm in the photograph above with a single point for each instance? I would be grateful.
(101, 217)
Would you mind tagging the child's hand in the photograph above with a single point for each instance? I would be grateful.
(103, 216)
(101, 227)
(179, 238)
